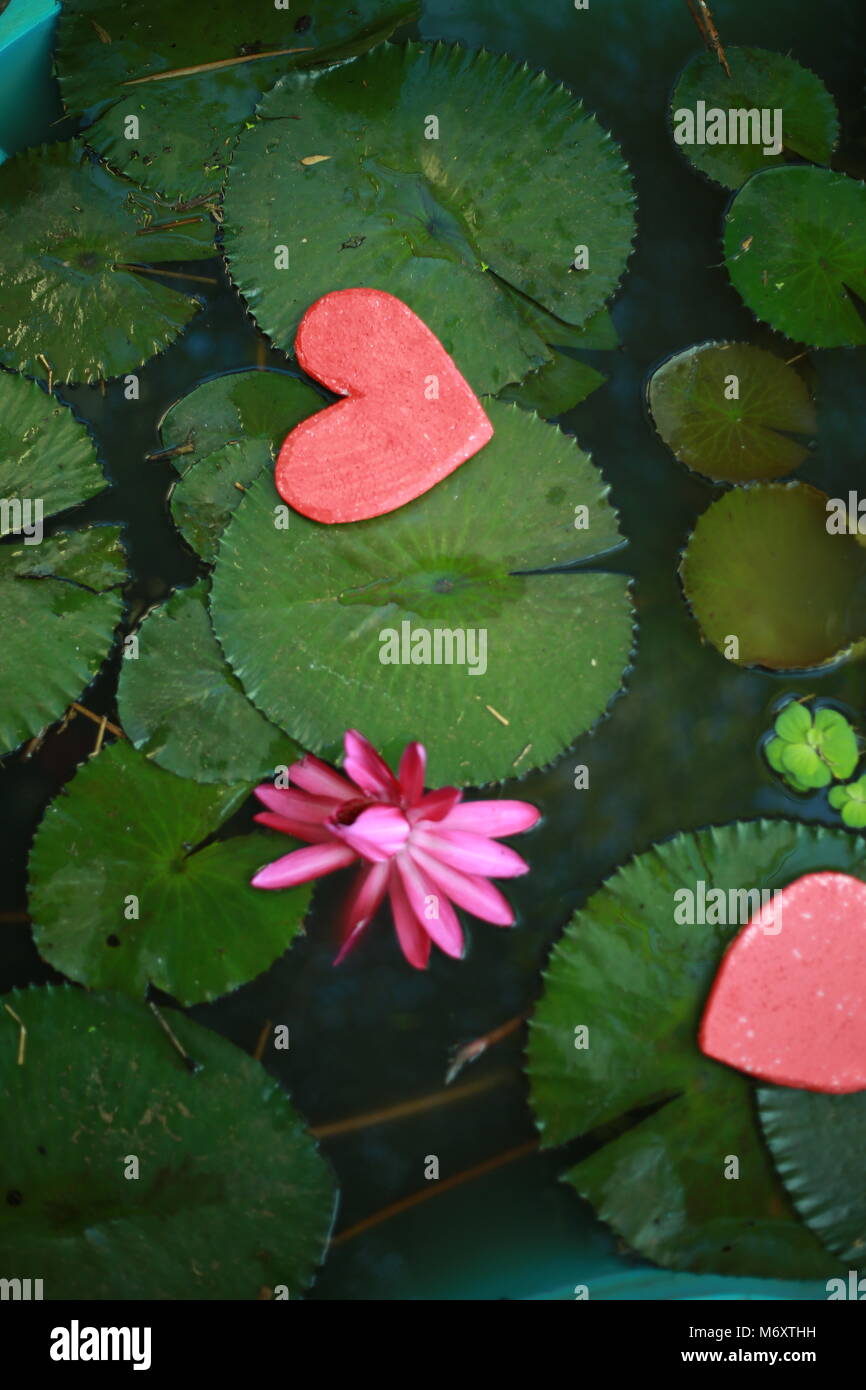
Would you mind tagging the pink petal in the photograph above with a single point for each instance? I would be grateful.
(367, 769)
(435, 805)
(361, 905)
(468, 891)
(474, 854)
(312, 775)
(304, 864)
(493, 817)
(299, 806)
(378, 833)
(302, 830)
(414, 941)
(444, 928)
(413, 765)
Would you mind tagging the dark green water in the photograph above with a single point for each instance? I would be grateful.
(678, 750)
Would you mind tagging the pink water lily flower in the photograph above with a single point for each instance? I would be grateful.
(426, 850)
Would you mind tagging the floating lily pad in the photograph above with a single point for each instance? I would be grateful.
(556, 387)
(229, 1197)
(817, 1142)
(759, 81)
(763, 432)
(305, 614)
(182, 705)
(186, 125)
(233, 424)
(127, 839)
(761, 567)
(46, 455)
(435, 221)
(60, 602)
(795, 248)
(82, 251)
(634, 972)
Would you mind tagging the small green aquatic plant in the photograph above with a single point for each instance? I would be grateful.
(850, 802)
(810, 749)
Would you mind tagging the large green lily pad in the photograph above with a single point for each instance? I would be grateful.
(46, 455)
(760, 567)
(442, 223)
(668, 1119)
(305, 614)
(60, 603)
(817, 1142)
(127, 839)
(187, 124)
(732, 411)
(232, 425)
(79, 246)
(129, 1177)
(795, 249)
(182, 705)
(760, 81)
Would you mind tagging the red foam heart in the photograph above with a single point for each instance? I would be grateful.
(789, 1001)
(410, 418)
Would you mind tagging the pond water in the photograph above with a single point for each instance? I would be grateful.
(677, 751)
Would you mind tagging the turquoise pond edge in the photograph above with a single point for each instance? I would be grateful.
(28, 104)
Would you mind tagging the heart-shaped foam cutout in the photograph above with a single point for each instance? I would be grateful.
(410, 418)
(789, 1001)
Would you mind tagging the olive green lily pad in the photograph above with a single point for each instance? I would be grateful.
(320, 622)
(127, 1176)
(185, 125)
(430, 213)
(795, 249)
(128, 890)
(181, 704)
(60, 603)
(760, 81)
(766, 582)
(47, 458)
(817, 1142)
(232, 426)
(613, 1053)
(732, 412)
(82, 252)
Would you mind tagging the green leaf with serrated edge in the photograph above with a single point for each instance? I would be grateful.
(126, 839)
(638, 980)
(304, 615)
(759, 82)
(805, 765)
(46, 455)
(60, 603)
(763, 433)
(234, 424)
(436, 222)
(795, 249)
(794, 722)
(186, 125)
(760, 566)
(838, 742)
(817, 1142)
(181, 704)
(555, 388)
(68, 228)
(230, 1196)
